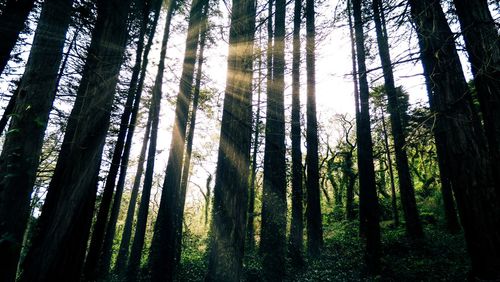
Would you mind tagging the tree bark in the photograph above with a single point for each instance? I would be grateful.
(123, 251)
(190, 135)
(466, 150)
(253, 176)
(12, 22)
(368, 201)
(483, 46)
(140, 229)
(231, 187)
(58, 248)
(297, 223)
(23, 144)
(406, 188)
(162, 257)
(313, 212)
(273, 234)
(394, 201)
(92, 266)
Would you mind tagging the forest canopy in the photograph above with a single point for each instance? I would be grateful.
(249, 140)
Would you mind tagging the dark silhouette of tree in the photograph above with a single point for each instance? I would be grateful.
(23, 144)
(162, 257)
(273, 237)
(230, 193)
(142, 216)
(368, 201)
(466, 152)
(94, 265)
(190, 135)
(297, 223)
(482, 42)
(12, 22)
(406, 188)
(313, 211)
(58, 248)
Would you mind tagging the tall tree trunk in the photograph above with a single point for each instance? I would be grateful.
(12, 22)
(123, 251)
(351, 181)
(450, 213)
(297, 223)
(107, 247)
(313, 212)
(350, 190)
(140, 229)
(230, 192)
(190, 135)
(394, 201)
(7, 112)
(91, 268)
(253, 176)
(162, 255)
(58, 248)
(273, 234)
(467, 156)
(406, 188)
(23, 144)
(368, 201)
(483, 46)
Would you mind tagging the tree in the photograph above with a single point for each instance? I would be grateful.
(481, 38)
(23, 145)
(93, 260)
(190, 135)
(142, 216)
(230, 193)
(162, 257)
(273, 235)
(406, 188)
(58, 248)
(368, 201)
(12, 21)
(313, 212)
(467, 157)
(297, 223)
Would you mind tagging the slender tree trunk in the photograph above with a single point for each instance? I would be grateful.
(190, 135)
(483, 46)
(406, 189)
(12, 22)
(162, 255)
(313, 212)
(273, 235)
(123, 251)
(107, 248)
(351, 181)
(467, 156)
(230, 192)
(253, 176)
(140, 229)
(297, 223)
(23, 144)
(350, 191)
(368, 201)
(394, 201)
(450, 211)
(91, 268)
(58, 248)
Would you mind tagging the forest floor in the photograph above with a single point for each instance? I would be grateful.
(439, 257)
